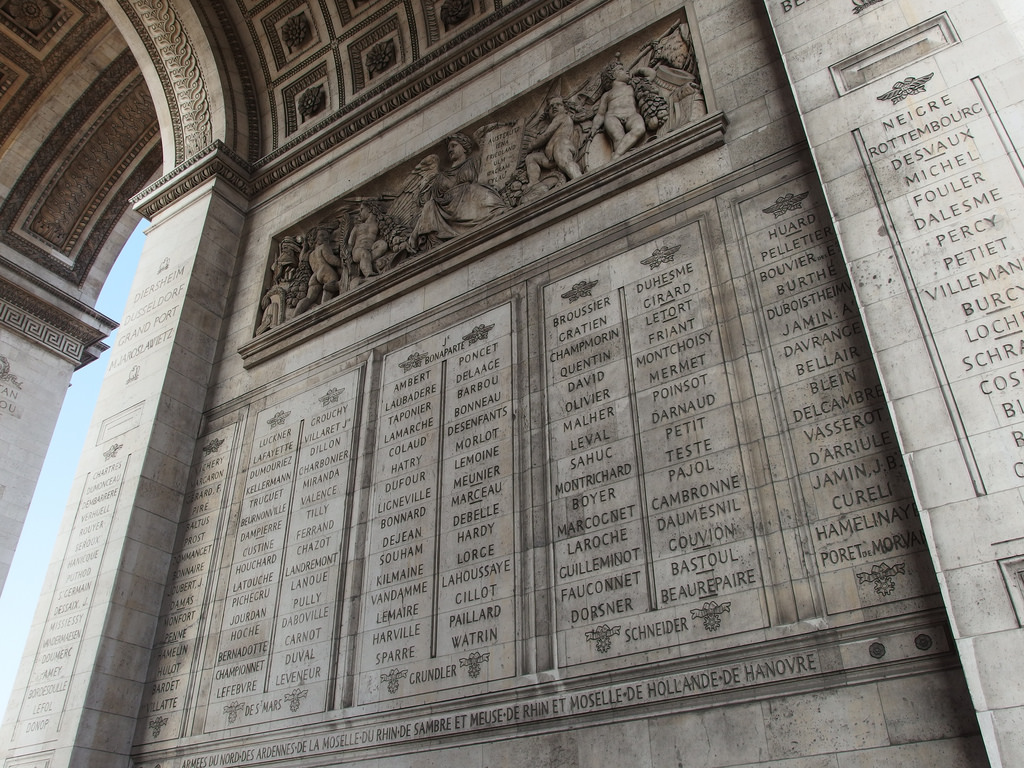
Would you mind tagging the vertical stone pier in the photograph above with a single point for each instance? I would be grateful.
(913, 115)
(82, 682)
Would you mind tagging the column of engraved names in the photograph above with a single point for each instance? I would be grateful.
(704, 552)
(239, 673)
(398, 593)
(307, 602)
(440, 580)
(851, 474)
(63, 630)
(476, 579)
(954, 194)
(601, 551)
(166, 698)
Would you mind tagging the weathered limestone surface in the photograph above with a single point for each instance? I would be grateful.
(916, 139)
(31, 392)
(543, 424)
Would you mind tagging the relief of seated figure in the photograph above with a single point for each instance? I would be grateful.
(454, 201)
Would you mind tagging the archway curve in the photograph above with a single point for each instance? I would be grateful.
(188, 53)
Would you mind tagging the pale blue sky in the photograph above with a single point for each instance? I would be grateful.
(21, 591)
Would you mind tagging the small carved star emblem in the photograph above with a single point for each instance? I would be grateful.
(415, 360)
(905, 88)
(156, 724)
(711, 614)
(295, 697)
(392, 677)
(883, 577)
(662, 255)
(279, 418)
(477, 334)
(213, 446)
(601, 637)
(331, 396)
(232, 710)
(474, 661)
(579, 290)
(788, 202)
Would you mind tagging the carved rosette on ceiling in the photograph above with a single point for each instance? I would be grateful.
(291, 30)
(575, 132)
(34, 21)
(294, 138)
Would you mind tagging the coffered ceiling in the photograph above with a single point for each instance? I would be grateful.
(84, 126)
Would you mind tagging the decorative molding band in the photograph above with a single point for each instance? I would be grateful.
(214, 160)
(179, 71)
(77, 342)
(695, 139)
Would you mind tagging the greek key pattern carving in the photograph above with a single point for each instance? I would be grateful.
(29, 326)
(47, 326)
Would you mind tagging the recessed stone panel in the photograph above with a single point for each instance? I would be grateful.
(654, 540)
(946, 172)
(278, 600)
(864, 525)
(439, 611)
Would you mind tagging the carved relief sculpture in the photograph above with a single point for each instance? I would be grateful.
(607, 111)
(455, 201)
(617, 112)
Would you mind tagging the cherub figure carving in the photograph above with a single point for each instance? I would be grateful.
(364, 242)
(556, 146)
(329, 275)
(617, 112)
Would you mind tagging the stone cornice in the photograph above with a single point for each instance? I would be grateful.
(214, 161)
(73, 331)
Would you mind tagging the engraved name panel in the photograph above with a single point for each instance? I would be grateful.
(167, 698)
(865, 529)
(948, 175)
(64, 628)
(653, 532)
(439, 593)
(273, 657)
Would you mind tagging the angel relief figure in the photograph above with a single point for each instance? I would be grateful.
(454, 201)
(550, 150)
(617, 111)
(365, 243)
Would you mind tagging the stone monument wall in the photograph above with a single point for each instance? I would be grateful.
(618, 449)
(512, 456)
